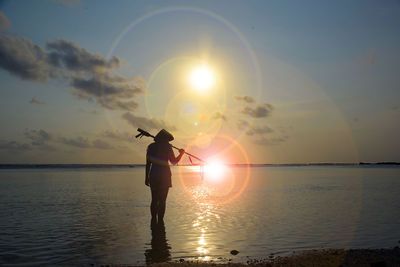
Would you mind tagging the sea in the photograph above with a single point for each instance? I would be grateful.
(98, 215)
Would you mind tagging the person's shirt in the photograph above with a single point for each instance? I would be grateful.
(159, 153)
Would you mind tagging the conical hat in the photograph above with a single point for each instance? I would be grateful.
(163, 135)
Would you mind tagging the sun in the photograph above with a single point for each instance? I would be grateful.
(202, 78)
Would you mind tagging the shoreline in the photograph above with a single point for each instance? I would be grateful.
(383, 257)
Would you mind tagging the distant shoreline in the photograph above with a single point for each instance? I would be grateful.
(105, 166)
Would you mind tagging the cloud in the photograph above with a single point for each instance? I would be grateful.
(4, 22)
(218, 115)
(253, 129)
(79, 142)
(259, 130)
(261, 133)
(100, 144)
(69, 55)
(242, 124)
(90, 75)
(254, 111)
(34, 100)
(22, 58)
(146, 123)
(109, 94)
(37, 137)
(271, 141)
(116, 135)
(260, 111)
(245, 98)
(14, 146)
(82, 142)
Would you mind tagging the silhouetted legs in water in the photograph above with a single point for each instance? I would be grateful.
(159, 251)
(158, 203)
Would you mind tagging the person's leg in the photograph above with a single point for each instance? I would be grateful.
(163, 193)
(154, 204)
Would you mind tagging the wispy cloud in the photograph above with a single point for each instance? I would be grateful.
(117, 135)
(271, 141)
(34, 100)
(253, 129)
(79, 142)
(262, 134)
(219, 116)
(4, 22)
(252, 109)
(83, 142)
(259, 130)
(242, 124)
(146, 123)
(244, 98)
(38, 137)
(14, 146)
(259, 111)
(100, 144)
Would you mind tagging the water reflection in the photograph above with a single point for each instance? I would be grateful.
(219, 184)
(201, 224)
(160, 249)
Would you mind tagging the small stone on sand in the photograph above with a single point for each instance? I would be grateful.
(234, 252)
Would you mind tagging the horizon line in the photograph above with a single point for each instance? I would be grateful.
(132, 165)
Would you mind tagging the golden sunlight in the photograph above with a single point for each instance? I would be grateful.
(202, 78)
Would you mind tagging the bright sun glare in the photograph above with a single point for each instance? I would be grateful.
(202, 78)
(214, 170)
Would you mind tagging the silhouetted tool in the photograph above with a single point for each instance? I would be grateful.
(144, 133)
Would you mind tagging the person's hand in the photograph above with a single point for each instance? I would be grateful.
(181, 151)
(147, 182)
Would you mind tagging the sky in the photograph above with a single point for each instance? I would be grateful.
(280, 81)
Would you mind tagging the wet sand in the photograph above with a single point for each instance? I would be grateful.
(336, 257)
(325, 257)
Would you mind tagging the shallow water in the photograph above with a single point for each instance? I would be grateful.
(101, 216)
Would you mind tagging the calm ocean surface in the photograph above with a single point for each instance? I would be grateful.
(101, 216)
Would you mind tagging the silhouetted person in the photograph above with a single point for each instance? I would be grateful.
(158, 172)
(159, 251)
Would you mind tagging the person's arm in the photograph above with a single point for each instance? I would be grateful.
(174, 160)
(148, 167)
(147, 178)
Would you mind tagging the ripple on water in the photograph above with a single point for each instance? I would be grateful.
(53, 217)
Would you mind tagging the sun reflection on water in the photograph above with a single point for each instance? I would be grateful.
(205, 216)
(216, 182)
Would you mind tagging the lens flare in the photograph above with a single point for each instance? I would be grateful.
(215, 170)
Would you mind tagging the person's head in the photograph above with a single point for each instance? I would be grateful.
(163, 136)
